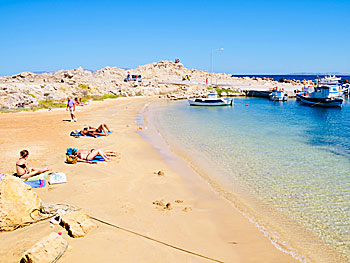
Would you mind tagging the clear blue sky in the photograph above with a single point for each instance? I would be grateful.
(258, 36)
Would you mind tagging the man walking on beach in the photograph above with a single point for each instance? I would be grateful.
(71, 106)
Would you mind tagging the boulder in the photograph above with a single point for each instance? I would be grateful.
(46, 250)
(77, 223)
(18, 203)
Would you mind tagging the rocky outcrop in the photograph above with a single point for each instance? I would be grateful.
(18, 203)
(47, 250)
(27, 89)
(77, 223)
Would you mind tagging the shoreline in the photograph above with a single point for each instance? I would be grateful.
(266, 219)
(123, 192)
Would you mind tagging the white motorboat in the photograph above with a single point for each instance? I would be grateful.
(330, 79)
(212, 100)
(278, 95)
(324, 95)
(334, 84)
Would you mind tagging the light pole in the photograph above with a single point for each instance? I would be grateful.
(211, 64)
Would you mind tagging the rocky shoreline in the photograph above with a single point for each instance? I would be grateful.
(163, 79)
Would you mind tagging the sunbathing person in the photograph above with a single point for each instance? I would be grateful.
(102, 130)
(93, 133)
(23, 170)
(85, 155)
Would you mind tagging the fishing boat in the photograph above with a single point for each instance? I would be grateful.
(211, 100)
(323, 95)
(278, 95)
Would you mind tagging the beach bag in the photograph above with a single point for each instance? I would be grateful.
(71, 159)
(36, 183)
(57, 178)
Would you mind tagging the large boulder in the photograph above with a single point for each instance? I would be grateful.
(77, 223)
(46, 250)
(18, 203)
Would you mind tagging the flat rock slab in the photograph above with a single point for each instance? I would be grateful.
(77, 223)
(46, 250)
(18, 203)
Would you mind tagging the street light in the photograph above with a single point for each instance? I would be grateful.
(211, 64)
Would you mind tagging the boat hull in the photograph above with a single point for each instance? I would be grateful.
(327, 102)
(274, 98)
(204, 102)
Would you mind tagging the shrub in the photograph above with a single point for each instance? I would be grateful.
(84, 86)
(47, 104)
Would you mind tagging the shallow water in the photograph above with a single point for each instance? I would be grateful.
(294, 159)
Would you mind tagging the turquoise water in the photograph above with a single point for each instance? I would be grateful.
(293, 160)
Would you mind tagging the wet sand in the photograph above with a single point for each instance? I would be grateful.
(126, 192)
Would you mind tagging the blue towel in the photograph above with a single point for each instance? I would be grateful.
(36, 184)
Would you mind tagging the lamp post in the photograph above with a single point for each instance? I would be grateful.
(211, 64)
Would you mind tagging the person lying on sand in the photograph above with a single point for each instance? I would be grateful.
(102, 130)
(22, 168)
(85, 155)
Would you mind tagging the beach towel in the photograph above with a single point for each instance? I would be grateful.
(36, 184)
(37, 181)
(42, 176)
(1, 176)
(77, 134)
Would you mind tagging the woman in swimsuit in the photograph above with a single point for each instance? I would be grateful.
(89, 155)
(22, 168)
(102, 130)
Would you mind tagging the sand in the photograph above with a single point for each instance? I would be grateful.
(126, 192)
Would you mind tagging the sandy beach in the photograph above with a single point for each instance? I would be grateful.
(123, 192)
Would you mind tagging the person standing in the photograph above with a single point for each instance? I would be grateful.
(71, 107)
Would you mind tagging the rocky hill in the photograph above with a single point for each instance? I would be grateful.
(28, 89)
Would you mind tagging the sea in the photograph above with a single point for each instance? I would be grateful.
(292, 76)
(284, 165)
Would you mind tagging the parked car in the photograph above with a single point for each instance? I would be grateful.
(137, 78)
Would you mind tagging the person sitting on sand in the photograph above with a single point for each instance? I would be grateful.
(85, 155)
(22, 168)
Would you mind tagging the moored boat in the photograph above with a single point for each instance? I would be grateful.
(212, 100)
(330, 79)
(278, 95)
(324, 95)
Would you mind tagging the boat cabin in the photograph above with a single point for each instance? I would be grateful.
(325, 92)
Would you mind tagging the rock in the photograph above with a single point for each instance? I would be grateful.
(160, 173)
(168, 206)
(187, 209)
(46, 250)
(18, 203)
(77, 224)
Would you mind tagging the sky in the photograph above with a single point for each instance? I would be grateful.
(258, 37)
